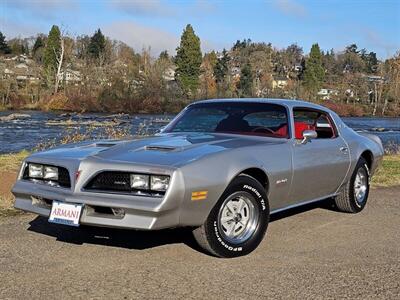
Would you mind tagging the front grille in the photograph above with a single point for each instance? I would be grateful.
(110, 181)
(117, 182)
(63, 177)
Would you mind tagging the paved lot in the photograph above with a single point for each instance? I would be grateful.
(314, 253)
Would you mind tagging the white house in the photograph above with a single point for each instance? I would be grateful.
(169, 74)
(279, 82)
(70, 76)
(298, 67)
(327, 93)
(235, 72)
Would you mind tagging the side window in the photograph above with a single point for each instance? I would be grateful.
(313, 120)
(324, 127)
(272, 123)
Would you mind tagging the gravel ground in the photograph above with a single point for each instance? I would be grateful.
(313, 252)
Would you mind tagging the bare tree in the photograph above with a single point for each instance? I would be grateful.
(59, 58)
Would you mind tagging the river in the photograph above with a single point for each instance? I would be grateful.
(19, 134)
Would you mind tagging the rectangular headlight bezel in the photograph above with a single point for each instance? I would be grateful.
(140, 181)
(159, 183)
(35, 171)
(50, 173)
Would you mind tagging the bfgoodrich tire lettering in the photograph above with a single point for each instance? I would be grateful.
(238, 222)
(349, 200)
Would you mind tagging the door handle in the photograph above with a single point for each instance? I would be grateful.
(343, 149)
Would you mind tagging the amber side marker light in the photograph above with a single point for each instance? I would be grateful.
(199, 195)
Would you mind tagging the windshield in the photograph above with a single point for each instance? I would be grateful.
(262, 119)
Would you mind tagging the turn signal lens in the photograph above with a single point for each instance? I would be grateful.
(35, 171)
(159, 183)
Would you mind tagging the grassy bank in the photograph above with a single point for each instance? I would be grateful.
(389, 172)
(9, 165)
(388, 175)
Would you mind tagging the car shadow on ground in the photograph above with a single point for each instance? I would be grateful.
(139, 240)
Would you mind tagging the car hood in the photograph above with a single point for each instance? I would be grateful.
(163, 150)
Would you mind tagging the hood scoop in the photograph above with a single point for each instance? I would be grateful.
(106, 145)
(160, 148)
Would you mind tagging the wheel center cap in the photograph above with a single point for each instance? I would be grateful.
(237, 218)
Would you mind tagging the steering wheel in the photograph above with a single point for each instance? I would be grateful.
(263, 129)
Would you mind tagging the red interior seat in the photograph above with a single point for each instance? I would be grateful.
(299, 127)
(282, 131)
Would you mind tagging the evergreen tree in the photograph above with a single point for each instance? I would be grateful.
(39, 43)
(371, 62)
(314, 72)
(246, 81)
(97, 44)
(4, 48)
(164, 55)
(352, 49)
(188, 60)
(52, 50)
(221, 68)
(211, 57)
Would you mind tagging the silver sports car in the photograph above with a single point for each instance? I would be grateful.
(221, 167)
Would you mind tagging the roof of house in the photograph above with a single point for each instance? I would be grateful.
(280, 78)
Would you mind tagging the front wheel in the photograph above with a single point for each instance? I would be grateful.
(238, 222)
(354, 195)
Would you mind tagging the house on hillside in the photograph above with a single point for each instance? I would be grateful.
(7, 73)
(70, 76)
(21, 58)
(279, 82)
(298, 67)
(374, 78)
(326, 94)
(169, 74)
(235, 72)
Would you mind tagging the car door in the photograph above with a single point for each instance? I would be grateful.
(320, 165)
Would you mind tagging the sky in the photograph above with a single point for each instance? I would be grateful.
(333, 24)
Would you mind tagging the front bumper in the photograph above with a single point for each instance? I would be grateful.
(140, 212)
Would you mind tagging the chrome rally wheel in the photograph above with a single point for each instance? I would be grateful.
(360, 186)
(237, 223)
(237, 217)
(353, 196)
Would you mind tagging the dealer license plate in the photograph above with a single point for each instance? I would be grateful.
(65, 213)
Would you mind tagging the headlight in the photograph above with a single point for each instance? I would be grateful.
(159, 183)
(35, 171)
(50, 173)
(140, 181)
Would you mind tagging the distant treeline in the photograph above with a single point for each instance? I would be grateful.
(94, 73)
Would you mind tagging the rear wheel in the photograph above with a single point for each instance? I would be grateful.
(238, 222)
(354, 195)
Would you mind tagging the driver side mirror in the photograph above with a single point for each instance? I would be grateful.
(308, 135)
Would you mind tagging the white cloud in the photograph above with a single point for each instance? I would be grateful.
(376, 40)
(16, 29)
(42, 8)
(139, 36)
(203, 7)
(143, 7)
(290, 7)
(197, 8)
